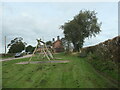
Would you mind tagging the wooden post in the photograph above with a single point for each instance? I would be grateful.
(33, 54)
(45, 53)
(50, 54)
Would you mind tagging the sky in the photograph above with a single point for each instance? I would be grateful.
(32, 20)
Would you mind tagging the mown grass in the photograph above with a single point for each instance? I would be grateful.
(106, 66)
(76, 74)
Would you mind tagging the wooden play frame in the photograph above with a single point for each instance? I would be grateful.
(44, 50)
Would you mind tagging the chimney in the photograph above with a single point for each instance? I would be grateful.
(58, 38)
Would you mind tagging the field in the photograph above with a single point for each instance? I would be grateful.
(77, 73)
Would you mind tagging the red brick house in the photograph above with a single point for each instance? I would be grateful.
(57, 45)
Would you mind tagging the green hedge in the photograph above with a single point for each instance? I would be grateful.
(104, 56)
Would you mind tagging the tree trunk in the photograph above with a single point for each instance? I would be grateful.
(76, 47)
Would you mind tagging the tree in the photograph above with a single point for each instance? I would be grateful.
(49, 43)
(16, 45)
(66, 44)
(30, 48)
(84, 25)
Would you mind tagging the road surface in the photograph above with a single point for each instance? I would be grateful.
(8, 59)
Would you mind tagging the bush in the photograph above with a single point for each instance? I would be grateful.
(7, 55)
(104, 56)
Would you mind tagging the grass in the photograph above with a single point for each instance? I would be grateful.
(106, 66)
(76, 74)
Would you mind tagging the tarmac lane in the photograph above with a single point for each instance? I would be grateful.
(8, 59)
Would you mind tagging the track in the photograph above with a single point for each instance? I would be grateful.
(8, 59)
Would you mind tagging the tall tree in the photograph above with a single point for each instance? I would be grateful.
(29, 48)
(66, 44)
(49, 43)
(16, 45)
(83, 25)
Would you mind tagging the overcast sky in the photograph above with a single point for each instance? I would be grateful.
(42, 20)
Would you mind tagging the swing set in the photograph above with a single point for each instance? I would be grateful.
(43, 50)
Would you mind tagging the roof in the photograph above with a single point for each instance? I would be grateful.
(57, 41)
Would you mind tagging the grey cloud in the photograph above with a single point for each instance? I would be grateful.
(31, 26)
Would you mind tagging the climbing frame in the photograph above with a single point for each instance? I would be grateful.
(43, 50)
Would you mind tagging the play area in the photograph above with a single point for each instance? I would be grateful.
(43, 53)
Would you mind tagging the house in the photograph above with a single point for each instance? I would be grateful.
(57, 45)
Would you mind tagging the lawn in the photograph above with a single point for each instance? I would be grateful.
(75, 74)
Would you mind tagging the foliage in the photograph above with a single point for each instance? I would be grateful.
(107, 50)
(105, 56)
(16, 45)
(49, 43)
(30, 48)
(8, 55)
(84, 25)
(66, 44)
